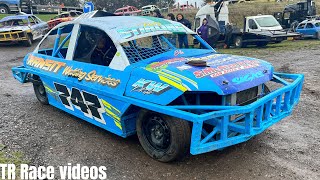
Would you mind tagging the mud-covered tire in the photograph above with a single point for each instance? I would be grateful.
(238, 42)
(28, 42)
(4, 10)
(318, 35)
(40, 91)
(163, 137)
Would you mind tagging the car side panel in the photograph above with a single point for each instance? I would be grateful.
(87, 91)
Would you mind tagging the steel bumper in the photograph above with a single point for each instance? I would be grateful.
(237, 124)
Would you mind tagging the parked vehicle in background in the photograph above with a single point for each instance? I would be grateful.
(9, 6)
(183, 7)
(128, 11)
(293, 14)
(177, 101)
(257, 30)
(309, 28)
(147, 10)
(28, 6)
(63, 17)
(22, 28)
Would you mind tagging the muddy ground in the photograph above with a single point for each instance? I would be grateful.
(48, 136)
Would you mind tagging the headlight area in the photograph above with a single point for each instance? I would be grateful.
(222, 121)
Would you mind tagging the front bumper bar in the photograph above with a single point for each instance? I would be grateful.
(13, 36)
(237, 124)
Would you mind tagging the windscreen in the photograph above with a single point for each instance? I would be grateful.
(14, 22)
(147, 47)
(267, 22)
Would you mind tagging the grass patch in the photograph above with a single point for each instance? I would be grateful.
(273, 48)
(8, 157)
(43, 17)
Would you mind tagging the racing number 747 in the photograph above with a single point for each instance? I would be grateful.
(88, 103)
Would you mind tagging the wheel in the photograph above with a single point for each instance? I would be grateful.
(262, 44)
(318, 35)
(28, 42)
(238, 42)
(40, 90)
(4, 10)
(163, 137)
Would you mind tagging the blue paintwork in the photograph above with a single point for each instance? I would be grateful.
(309, 32)
(149, 84)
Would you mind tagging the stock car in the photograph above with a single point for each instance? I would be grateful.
(63, 17)
(22, 28)
(125, 76)
(309, 28)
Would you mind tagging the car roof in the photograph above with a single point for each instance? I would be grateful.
(24, 16)
(123, 28)
(312, 21)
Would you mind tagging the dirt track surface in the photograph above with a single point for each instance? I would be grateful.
(48, 136)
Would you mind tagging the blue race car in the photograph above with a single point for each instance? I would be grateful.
(309, 28)
(124, 75)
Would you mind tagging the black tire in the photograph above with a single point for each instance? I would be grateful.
(163, 137)
(4, 10)
(238, 42)
(40, 91)
(28, 42)
(318, 35)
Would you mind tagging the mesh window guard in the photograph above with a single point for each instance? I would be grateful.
(147, 47)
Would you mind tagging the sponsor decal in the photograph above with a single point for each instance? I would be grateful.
(90, 77)
(178, 52)
(127, 33)
(184, 67)
(169, 77)
(248, 77)
(45, 64)
(150, 87)
(89, 104)
(163, 64)
(225, 69)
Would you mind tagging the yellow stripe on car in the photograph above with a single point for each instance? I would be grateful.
(109, 111)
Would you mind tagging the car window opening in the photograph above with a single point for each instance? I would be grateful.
(147, 47)
(94, 46)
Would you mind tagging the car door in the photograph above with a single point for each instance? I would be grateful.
(301, 29)
(97, 92)
(310, 29)
(49, 62)
(37, 27)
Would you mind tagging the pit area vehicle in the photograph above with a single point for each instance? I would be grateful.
(63, 17)
(147, 10)
(128, 11)
(22, 28)
(309, 29)
(257, 30)
(30, 7)
(123, 75)
(293, 14)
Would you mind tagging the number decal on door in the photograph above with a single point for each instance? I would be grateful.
(89, 104)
